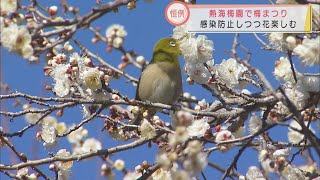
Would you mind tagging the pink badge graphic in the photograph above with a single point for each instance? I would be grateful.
(177, 13)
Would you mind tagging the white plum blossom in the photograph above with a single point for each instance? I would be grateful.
(23, 172)
(92, 79)
(181, 174)
(163, 160)
(197, 50)
(240, 132)
(182, 118)
(116, 30)
(33, 176)
(294, 173)
(291, 42)
(91, 144)
(278, 41)
(194, 164)
(49, 135)
(64, 165)
(254, 173)
(63, 175)
(77, 135)
(311, 83)
(161, 174)
(294, 136)
(8, 6)
(61, 127)
(181, 33)
(62, 87)
(17, 39)
(119, 164)
(309, 51)
(282, 70)
(194, 147)
(297, 95)
(180, 136)
(198, 128)
(281, 153)
(230, 71)
(147, 130)
(198, 72)
(263, 155)
(117, 42)
(62, 82)
(51, 120)
(224, 135)
(255, 124)
(32, 118)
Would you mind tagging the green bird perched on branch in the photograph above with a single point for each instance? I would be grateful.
(161, 81)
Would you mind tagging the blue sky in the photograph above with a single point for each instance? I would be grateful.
(145, 26)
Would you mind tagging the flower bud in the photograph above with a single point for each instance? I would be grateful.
(53, 10)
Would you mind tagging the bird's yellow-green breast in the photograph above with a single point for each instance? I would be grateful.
(161, 80)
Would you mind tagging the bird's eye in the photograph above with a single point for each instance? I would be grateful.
(172, 44)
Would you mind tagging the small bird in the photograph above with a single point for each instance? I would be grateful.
(161, 81)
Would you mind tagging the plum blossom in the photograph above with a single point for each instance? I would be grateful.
(147, 130)
(161, 174)
(297, 95)
(32, 118)
(309, 51)
(8, 6)
(198, 128)
(62, 82)
(224, 135)
(311, 83)
(182, 174)
(294, 173)
(294, 136)
(182, 118)
(51, 120)
(92, 79)
(23, 172)
(49, 135)
(63, 174)
(180, 136)
(64, 165)
(17, 39)
(163, 160)
(198, 72)
(194, 164)
(254, 173)
(240, 132)
(255, 124)
(278, 41)
(282, 70)
(119, 164)
(77, 135)
(91, 144)
(116, 30)
(229, 71)
(194, 147)
(181, 33)
(197, 50)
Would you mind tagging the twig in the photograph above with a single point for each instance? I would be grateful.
(80, 157)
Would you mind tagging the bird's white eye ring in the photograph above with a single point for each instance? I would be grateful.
(172, 44)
